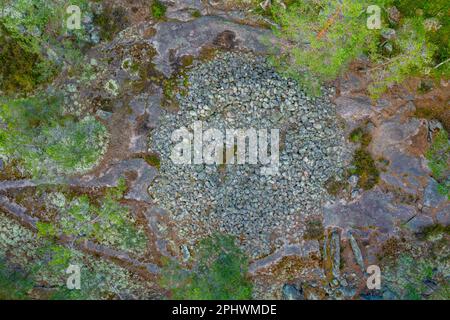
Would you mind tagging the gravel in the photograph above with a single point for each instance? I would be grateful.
(237, 90)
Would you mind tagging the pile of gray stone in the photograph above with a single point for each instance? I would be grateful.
(242, 91)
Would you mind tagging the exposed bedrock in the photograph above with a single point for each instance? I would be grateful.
(176, 39)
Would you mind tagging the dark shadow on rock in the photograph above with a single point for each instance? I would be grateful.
(226, 40)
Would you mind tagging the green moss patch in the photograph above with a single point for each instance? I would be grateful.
(104, 220)
(178, 83)
(363, 164)
(196, 14)
(158, 10)
(434, 232)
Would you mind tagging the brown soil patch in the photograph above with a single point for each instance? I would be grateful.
(419, 142)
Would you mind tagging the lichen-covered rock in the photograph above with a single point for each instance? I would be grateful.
(374, 209)
(335, 251)
(176, 39)
(443, 215)
(419, 222)
(354, 110)
(356, 251)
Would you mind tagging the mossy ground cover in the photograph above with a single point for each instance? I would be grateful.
(365, 168)
(35, 45)
(435, 17)
(14, 283)
(335, 186)
(22, 66)
(314, 229)
(218, 272)
(324, 39)
(36, 269)
(157, 9)
(320, 39)
(415, 267)
(410, 278)
(438, 156)
(363, 164)
(46, 141)
(31, 34)
(435, 232)
(111, 21)
(104, 220)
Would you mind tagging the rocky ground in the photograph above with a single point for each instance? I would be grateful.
(304, 241)
(265, 211)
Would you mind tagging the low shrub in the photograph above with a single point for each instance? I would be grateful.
(318, 40)
(438, 156)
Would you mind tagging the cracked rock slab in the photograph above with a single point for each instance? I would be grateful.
(188, 38)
